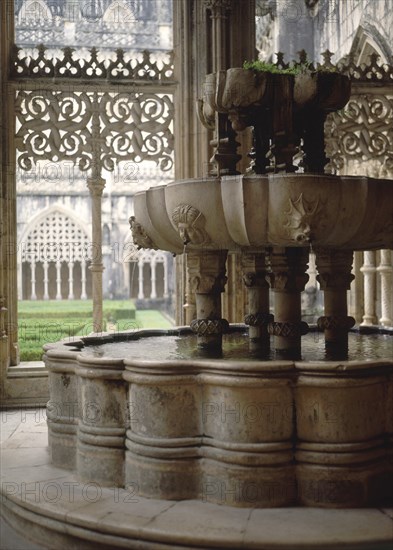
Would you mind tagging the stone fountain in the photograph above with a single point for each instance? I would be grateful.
(266, 429)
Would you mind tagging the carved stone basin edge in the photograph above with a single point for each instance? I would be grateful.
(281, 432)
(292, 210)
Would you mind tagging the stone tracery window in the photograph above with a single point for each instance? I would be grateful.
(114, 108)
(54, 247)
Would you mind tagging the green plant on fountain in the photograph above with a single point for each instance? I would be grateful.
(286, 106)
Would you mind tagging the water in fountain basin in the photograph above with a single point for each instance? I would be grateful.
(236, 347)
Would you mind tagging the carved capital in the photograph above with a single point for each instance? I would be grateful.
(96, 186)
(190, 223)
(288, 280)
(206, 271)
(334, 269)
(330, 281)
(218, 5)
(139, 235)
(254, 269)
(288, 269)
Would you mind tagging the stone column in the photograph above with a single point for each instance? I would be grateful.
(258, 317)
(334, 268)
(225, 145)
(58, 280)
(356, 294)
(70, 280)
(153, 293)
(206, 273)
(288, 278)
(369, 270)
(33, 295)
(165, 265)
(96, 186)
(83, 280)
(46, 280)
(189, 305)
(8, 287)
(385, 271)
(141, 294)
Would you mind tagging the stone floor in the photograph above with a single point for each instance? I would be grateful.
(57, 511)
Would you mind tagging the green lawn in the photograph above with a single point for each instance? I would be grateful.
(41, 322)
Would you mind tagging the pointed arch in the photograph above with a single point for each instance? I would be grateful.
(55, 234)
(34, 11)
(367, 41)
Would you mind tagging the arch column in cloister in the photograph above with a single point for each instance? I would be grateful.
(385, 272)
(96, 186)
(369, 273)
(83, 280)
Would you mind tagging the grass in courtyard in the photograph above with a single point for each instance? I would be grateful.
(42, 322)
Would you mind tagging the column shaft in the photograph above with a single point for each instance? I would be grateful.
(206, 273)
(141, 294)
(153, 293)
(258, 317)
(369, 274)
(33, 281)
(46, 281)
(385, 271)
(288, 278)
(58, 280)
(334, 268)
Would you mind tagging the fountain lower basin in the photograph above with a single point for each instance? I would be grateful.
(241, 432)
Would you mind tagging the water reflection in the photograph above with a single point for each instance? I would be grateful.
(236, 346)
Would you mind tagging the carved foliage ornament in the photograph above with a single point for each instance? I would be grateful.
(190, 223)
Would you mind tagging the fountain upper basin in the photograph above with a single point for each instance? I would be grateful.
(291, 210)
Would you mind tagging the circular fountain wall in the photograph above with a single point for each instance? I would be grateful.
(130, 410)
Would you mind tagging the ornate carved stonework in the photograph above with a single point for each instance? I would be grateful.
(287, 281)
(258, 319)
(336, 322)
(218, 4)
(334, 269)
(288, 330)
(190, 223)
(362, 132)
(302, 217)
(139, 235)
(254, 279)
(209, 327)
(141, 66)
(206, 271)
(93, 129)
